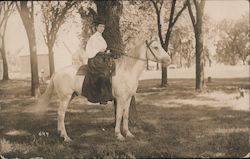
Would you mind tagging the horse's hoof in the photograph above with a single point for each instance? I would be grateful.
(129, 134)
(120, 137)
(67, 139)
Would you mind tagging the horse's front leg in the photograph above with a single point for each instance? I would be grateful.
(61, 117)
(125, 119)
(119, 112)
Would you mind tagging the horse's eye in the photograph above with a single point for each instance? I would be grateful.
(156, 48)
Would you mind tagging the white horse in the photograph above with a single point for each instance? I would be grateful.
(124, 84)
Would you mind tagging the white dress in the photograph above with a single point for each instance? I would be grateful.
(95, 44)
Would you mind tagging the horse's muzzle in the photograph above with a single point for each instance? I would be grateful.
(166, 61)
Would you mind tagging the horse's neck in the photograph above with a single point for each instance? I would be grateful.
(133, 63)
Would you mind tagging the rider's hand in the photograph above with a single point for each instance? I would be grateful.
(103, 50)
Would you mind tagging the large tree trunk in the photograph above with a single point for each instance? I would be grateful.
(5, 63)
(199, 61)
(3, 50)
(35, 91)
(5, 66)
(199, 50)
(197, 25)
(111, 11)
(164, 73)
(51, 60)
(28, 21)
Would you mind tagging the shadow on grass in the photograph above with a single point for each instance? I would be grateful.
(183, 131)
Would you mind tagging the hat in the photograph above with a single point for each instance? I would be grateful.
(99, 20)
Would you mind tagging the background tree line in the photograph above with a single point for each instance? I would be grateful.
(233, 44)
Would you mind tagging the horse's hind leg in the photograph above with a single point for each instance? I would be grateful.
(61, 116)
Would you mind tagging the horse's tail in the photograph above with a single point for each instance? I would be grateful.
(43, 100)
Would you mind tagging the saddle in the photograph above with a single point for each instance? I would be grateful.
(97, 87)
(82, 70)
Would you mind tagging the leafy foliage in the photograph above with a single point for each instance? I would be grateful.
(137, 22)
(234, 44)
(182, 46)
(54, 15)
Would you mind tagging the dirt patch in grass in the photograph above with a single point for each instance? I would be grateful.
(175, 122)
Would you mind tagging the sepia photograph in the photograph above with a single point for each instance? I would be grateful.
(124, 79)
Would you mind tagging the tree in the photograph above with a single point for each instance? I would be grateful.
(27, 15)
(209, 33)
(134, 22)
(197, 22)
(6, 8)
(241, 29)
(173, 17)
(111, 11)
(181, 42)
(54, 15)
(233, 44)
(207, 56)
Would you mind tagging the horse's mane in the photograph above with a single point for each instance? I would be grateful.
(131, 58)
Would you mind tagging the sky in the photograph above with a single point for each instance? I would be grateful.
(226, 9)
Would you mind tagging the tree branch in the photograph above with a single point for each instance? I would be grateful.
(4, 32)
(155, 5)
(6, 8)
(170, 26)
(18, 7)
(158, 19)
(61, 15)
(180, 12)
(4, 27)
(44, 36)
(171, 14)
(161, 4)
(196, 4)
(32, 10)
(191, 14)
(202, 4)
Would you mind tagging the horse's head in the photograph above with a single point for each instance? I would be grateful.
(155, 52)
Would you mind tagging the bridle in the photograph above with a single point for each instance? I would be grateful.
(150, 50)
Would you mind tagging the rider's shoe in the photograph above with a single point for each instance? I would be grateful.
(103, 102)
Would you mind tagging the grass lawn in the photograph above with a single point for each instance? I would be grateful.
(175, 122)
